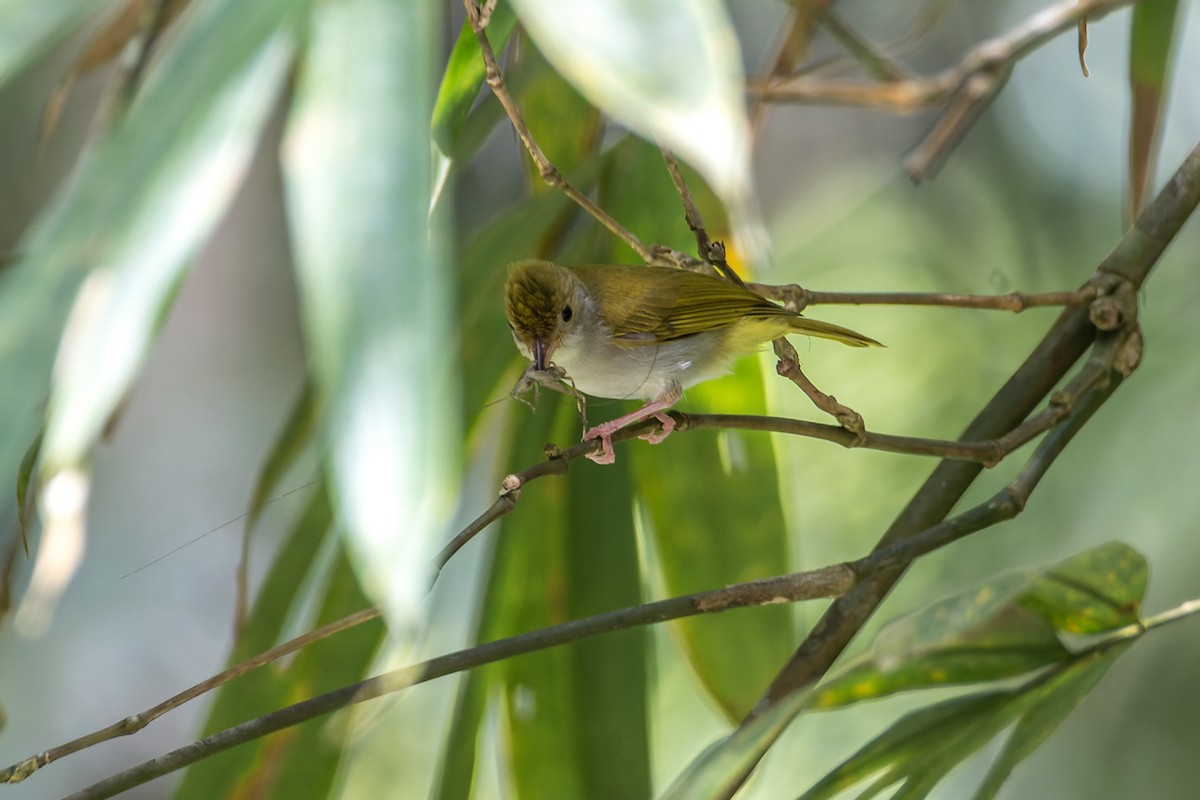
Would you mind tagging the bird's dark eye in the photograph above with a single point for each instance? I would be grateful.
(567, 314)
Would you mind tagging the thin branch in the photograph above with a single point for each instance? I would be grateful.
(788, 366)
(712, 252)
(477, 18)
(799, 298)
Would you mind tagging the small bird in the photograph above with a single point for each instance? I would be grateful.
(621, 331)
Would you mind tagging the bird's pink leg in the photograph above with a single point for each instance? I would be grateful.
(654, 408)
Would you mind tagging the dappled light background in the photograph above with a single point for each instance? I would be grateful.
(1031, 201)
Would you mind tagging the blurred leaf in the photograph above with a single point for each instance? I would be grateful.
(610, 688)
(25, 474)
(1151, 35)
(321, 666)
(721, 522)
(1009, 626)
(719, 770)
(546, 99)
(456, 769)
(375, 293)
(668, 69)
(106, 44)
(28, 29)
(290, 443)
(464, 76)
(178, 157)
(922, 747)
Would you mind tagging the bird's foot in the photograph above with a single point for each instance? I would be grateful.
(668, 425)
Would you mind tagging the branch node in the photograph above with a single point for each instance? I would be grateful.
(1129, 354)
(510, 484)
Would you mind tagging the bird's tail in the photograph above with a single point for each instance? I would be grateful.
(827, 330)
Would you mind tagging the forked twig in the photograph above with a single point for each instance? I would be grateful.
(965, 89)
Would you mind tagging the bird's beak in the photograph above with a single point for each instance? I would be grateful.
(541, 354)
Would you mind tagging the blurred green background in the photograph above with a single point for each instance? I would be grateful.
(1031, 201)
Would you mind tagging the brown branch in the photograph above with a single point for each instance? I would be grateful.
(799, 298)
(1130, 261)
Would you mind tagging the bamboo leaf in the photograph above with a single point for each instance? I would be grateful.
(463, 78)
(573, 721)
(375, 294)
(1009, 626)
(1041, 720)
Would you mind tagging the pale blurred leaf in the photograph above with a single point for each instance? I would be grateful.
(29, 28)
(145, 199)
(375, 293)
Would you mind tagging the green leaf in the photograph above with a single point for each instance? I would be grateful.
(718, 771)
(923, 746)
(29, 29)
(376, 296)
(1096, 591)
(668, 69)
(464, 76)
(1151, 34)
(1009, 626)
(456, 770)
(573, 719)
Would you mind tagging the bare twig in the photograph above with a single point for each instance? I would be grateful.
(477, 17)
(788, 367)
(798, 298)
(712, 252)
